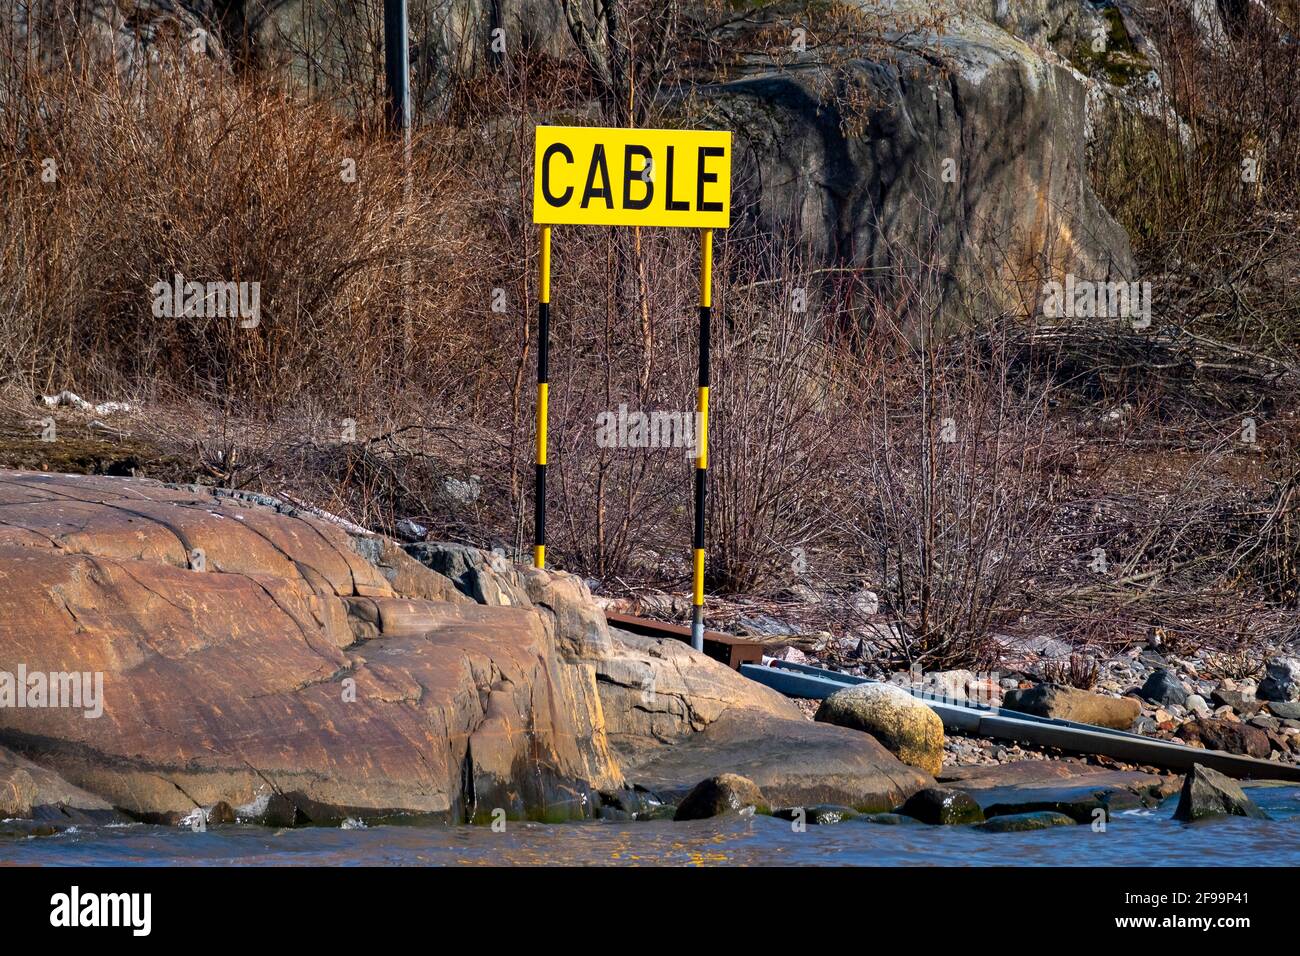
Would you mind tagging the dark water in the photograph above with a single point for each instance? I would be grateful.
(1147, 838)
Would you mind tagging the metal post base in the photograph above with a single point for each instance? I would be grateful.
(697, 628)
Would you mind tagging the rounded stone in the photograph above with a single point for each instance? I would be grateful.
(723, 795)
(904, 725)
(941, 806)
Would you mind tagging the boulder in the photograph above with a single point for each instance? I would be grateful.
(634, 803)
(29, 790)
(17, 791)
(992, 156)
(1265, 722)
(1238, 700)
(1163, 689)
(889, 819)
(1071, 787)
(1285, 710)
(1145, 725)
(904, 724)
(723, 795)
(941, 806)
(1207, 793)
(820, 815)
(796, 762)
(481, 576)
(271, 660)
(1070, 703)
(656, 692)
(1214, 733)
(265, 658)
(1279, 741)
(865, 603)
(1023, 822)
(1281, 680)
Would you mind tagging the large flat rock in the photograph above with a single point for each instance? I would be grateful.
(1029, 774)
(794, 761)
(1064, 786)
(658, 691)
(303, 674)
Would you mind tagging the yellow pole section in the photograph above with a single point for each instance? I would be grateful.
(706, 268)
(702, 423)
(545, 283)
(543, 397)
(699, 583)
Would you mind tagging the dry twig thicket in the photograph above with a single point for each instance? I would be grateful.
(968, 479)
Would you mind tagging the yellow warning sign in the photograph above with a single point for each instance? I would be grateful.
(599, 176)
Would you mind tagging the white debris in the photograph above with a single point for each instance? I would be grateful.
(67, 398)
(865, 603)
(349, 526)
(195, 819)
(462, 491)
(792, 655)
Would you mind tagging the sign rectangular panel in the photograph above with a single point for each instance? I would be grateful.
(600, 176)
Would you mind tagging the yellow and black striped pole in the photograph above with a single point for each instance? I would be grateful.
(702, 434)
(543, 376)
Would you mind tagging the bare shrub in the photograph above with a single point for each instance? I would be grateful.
(965, 468)
(216, 179)
(1079, 671)
(1207, 185)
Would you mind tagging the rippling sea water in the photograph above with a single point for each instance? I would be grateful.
(1136, 838)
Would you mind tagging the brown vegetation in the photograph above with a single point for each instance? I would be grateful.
(968, 479)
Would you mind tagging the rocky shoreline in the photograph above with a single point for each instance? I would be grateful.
(261, 664)
(1248, 705)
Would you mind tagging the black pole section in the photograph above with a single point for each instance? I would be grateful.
(543, 387)
(397, 109)
(701, 480)
(397, 65)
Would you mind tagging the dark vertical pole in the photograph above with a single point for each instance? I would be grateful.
(543, 388)
(397, 66)
(397, 76)
(702, 435)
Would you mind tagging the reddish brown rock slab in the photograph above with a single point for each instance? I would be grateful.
(1229, 736)
(1053, 773)
(31, 791)
(1069, 703)
(658, 692)
(794, 761)
(248, 684)
(17, 486)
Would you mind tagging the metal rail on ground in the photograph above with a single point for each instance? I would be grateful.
(982, 720)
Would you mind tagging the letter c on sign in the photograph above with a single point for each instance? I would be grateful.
(546, 174)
